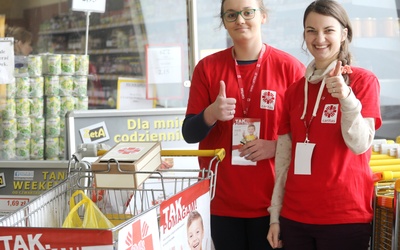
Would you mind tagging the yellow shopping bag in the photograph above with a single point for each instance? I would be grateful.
(93, 217)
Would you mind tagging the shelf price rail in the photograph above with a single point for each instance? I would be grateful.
(38, 225)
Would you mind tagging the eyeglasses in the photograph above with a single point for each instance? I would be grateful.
(247, 14)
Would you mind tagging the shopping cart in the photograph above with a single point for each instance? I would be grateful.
(45, 214)
(386, 213)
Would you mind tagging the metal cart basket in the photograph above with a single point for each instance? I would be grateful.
(386, 216)
(47, 212)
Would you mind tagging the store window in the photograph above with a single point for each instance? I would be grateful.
(116, 43)
(134, 56)
(150, 43)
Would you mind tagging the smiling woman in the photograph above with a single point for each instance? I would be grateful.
(227, 87)
(343, 100)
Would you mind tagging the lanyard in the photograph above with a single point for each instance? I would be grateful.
(246, 102)
(317, 101)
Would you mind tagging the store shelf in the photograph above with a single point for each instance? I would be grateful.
(114, 77)
(82, 29)
(62, 31)
(111, 25)
(113, 51)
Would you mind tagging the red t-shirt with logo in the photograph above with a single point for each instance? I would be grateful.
(340, 187)
(243, 191)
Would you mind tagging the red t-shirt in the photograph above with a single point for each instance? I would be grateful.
(242, 191)
(340, 187)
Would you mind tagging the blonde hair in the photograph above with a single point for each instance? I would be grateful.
(194, 215)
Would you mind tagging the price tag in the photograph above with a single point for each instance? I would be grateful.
(7, 60)
(10, 204)
(164, 64)
(132, 94)
(89, 5)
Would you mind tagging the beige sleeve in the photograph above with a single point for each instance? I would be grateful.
(283, 156)
(358, 132)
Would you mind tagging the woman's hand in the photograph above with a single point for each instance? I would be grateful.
(335, 83)
(222, 109)
(257, 150)
(273, 236)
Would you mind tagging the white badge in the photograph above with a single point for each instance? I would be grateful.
(303, 155)
(244, 130)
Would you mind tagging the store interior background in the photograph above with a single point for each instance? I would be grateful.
(118, 36)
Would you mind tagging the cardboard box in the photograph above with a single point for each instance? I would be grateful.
(116, 168)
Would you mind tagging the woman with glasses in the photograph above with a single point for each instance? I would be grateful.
(241, 84)
(324, 185)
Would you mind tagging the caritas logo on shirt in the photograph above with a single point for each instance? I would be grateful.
(329, 115)
(268, 99)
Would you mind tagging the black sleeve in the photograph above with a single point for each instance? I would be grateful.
(194, 128)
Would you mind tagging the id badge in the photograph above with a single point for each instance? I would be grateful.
(244, 130)
(302, 160)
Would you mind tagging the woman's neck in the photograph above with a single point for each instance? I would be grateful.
(248, 51)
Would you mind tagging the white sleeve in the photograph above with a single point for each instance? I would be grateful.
(283, 157)
(358, 132)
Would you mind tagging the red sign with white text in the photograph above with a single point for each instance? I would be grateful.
(185, 219)
(55, 239)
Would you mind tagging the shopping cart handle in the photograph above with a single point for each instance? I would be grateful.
(219, 153)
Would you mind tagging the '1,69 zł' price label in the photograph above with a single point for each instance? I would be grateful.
(9, 204)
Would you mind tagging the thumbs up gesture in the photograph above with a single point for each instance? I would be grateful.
(222, 109)
(335, 83)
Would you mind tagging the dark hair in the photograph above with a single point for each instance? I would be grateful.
(335, 10)
(260, 3)
(19, 34)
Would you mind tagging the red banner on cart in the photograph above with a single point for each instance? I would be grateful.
(55, 239)
(185, 219)
(142, 233)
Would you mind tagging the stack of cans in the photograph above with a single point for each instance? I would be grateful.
(34, 106)
(8, 131)
(80, 82)
(22, 122)
(36, 83)
(65, 83)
